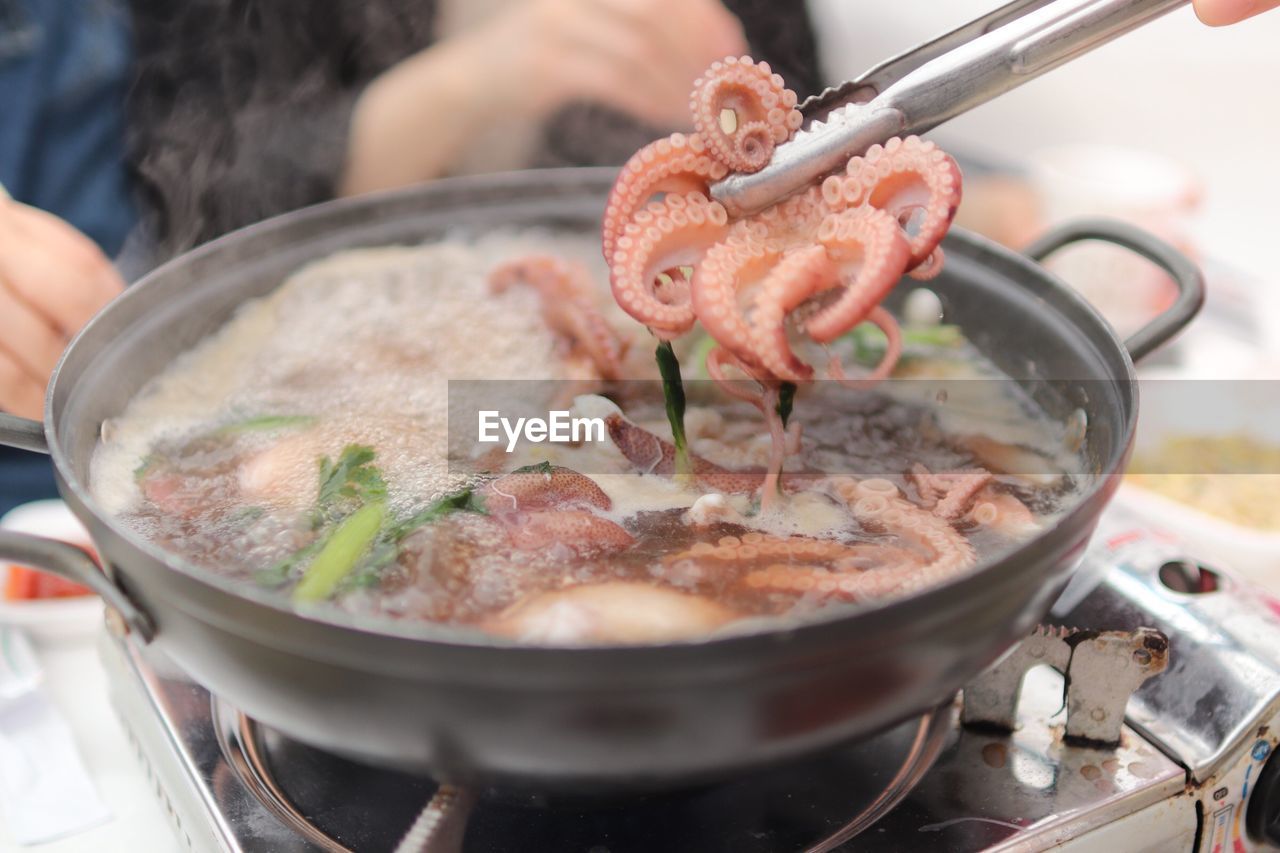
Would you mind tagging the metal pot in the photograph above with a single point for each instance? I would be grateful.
(426, 697)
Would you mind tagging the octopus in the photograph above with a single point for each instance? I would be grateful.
(552, 507)
(812, 266)
(925, 550)
(567, 298)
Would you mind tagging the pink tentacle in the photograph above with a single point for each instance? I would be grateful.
(893, 351)
(868, 248)
(567, 297)
(799, 276)
(664, 236)
(742, 110)
(720, 358)
(727, 270)
(678, 164)
(909, 176)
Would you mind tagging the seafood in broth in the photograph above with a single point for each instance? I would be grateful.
(309, 447)
(306, 448)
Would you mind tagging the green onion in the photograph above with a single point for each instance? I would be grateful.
(268, 422)
(464, 501)
(673, 394)
(869, 342)
(786, 399)
(341, 552)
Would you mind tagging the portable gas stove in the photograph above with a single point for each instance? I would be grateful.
(1189, 767)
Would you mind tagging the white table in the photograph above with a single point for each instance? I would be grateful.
(76, 683)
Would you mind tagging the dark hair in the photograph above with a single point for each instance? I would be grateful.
(240, 108)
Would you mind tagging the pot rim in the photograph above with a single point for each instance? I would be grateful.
(597, 179)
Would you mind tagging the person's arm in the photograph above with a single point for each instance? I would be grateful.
(641, 56)
(1219, 13)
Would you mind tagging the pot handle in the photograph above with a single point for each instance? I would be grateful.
(68, 561)
(22, 433)
(1185, 274)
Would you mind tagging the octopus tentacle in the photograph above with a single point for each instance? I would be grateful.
(568, 306)
(1002, 512)
(730, 267)
(652, 455)
(947, 552)
(907, 177)
(742, 110)
(677, 164)
(892, 352)
(717, 360)
(869, 249)
(930, 267)
(666, 235)
(796, 278)
(950, 493)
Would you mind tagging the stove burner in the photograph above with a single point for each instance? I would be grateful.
(814, 805)
(1192, 769)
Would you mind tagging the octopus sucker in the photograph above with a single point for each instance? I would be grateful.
(870, 252)
(567, 298)
(741, 109)
(666, 235)
(677, 164)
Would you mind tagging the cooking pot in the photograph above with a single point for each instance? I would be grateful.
(469, 707)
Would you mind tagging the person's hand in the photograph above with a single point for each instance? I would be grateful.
(1219, 13)
(52, 280)
(641, 56)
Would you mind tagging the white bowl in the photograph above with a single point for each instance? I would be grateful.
(55, 621)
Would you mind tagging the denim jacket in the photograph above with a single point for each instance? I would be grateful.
(64, 72)
(65, 67)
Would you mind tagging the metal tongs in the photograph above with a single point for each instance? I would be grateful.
(938, 80)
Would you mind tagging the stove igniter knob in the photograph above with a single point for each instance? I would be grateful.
(1102, 669)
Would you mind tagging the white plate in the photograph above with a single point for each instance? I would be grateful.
(57, 621)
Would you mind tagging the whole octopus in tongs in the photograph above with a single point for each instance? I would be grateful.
(813, 266)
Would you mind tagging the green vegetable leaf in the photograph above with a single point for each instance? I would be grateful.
(786, 399)
(340, 553)
(673, 394)
(465, 500)
(869, 342)
(144, 467)
(268, 422)
(352, 476)
(536, 468)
